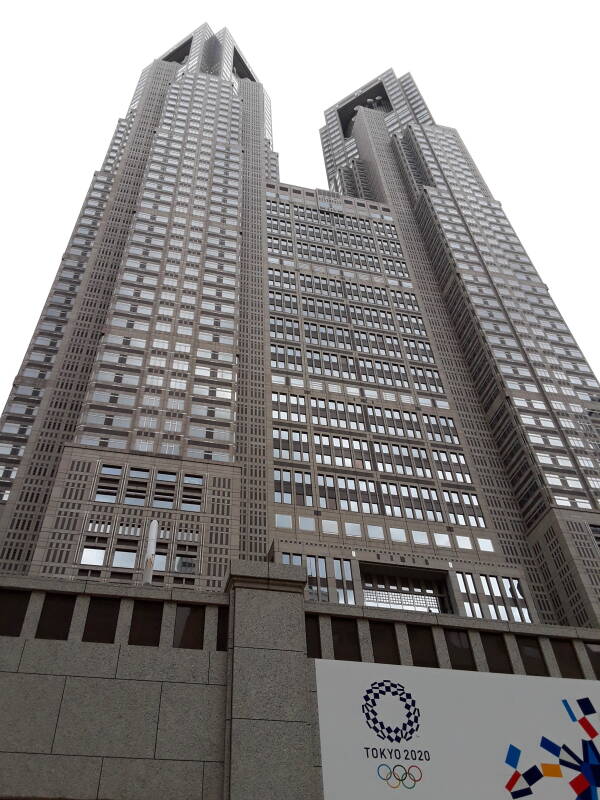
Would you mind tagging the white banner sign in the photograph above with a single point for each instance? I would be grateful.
(389, 730)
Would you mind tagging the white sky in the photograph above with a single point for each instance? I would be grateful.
(519, 80)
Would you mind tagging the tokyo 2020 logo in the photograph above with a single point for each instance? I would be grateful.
(393, 733)
(399, 776)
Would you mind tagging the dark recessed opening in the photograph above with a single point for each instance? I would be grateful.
(496, 652)
(346, 646)
(383, 640)
(313, 636)
(13, 607)
(374, 97)
(146, 622)
(566, 658)
(181, 53)
(189, 627)
(101, 620)
(56, 615)
(459, 649)
(422, 646)
(241, 69)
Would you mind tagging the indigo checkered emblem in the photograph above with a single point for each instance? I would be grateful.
(397, 733)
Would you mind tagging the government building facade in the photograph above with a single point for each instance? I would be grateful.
(263, 431)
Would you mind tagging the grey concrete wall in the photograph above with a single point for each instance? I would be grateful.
(84, 720)
(89, 721)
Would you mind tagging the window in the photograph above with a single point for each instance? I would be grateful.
(566, 658)
(404, 588)
(124, 558)
(329, 525)
(531, 653)
(345, 639)
(496, 652)
(422, 647)
(55, 619)
(93, 555)
(383, 640)
(459, 649)
(352, 528)
(189, 627)
(13, 607)
(313, 636)
(146, 622)
(101, 620)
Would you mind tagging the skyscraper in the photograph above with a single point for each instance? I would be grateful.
(370, 382)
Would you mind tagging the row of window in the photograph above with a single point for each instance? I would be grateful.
(385, 498)
(102, 618)
(134, 487)
(346, 647)
(379, 532)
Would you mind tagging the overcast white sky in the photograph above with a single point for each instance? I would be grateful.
(519, 80)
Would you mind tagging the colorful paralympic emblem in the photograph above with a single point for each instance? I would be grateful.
(393, 733)
(586, 781)
(399, 776)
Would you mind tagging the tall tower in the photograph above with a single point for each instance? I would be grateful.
(125, 408)
(526, 397)
(371, 381)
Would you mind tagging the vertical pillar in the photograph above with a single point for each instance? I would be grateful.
(269, 753)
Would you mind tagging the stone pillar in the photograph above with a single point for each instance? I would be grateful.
(269, 748)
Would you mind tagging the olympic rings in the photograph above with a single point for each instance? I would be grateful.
(400, 776)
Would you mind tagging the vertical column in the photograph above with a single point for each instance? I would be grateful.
(269, 709)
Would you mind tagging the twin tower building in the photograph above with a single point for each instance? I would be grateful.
(369, 382)
(373, 374)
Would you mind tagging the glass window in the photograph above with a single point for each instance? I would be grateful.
(352, 528)
(146, 622)
(124, 558)
(486, 545)
(375, 532)
(185, 564)
(189, 627)
(306, 523)
(383, 640)
(93, 555)
(283, 521)
(55, 619)
(464, 542)
(101, 620)
(13, 607)
(397, 534)
(166, 476)
(329, 525)
(138, 473)
(345, 639)
(107, 469)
